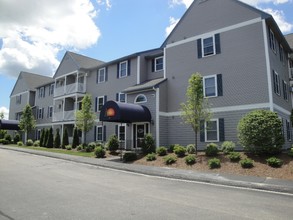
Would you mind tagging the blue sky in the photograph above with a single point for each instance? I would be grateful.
(34, 35)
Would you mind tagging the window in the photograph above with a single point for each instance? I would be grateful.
(288, 129)
(272, 41)
(122, 132)
(51, 89)
(50, 112)
(18, 99)
(121, 97)
(100, 102)
(18, 116)
(159, 64)
(99, 133)
(210, 86)
(123, 69)
(285, 90)
(140, 99)
(276, 80)
(282, 54)
(41, 92)
(101, 75)
(212, 130)
(41, 113)
(209, 46)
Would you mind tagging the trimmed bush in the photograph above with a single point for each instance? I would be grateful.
(179, 151)
(274, 162)
(46, 137)
(92, 145)
(190, 149)
(65, 139)
(190, 159)
(99, 144)
(50, 141)
(16, 138)
(148, 145)
(212, 150)
(29, 142)
(1, 140)
(228, 147)
(170, 159)
(100, 152)
(260, 132)
(113, 144)
(151, 157)
(290, 153)
(162, 151)
(36, 143)
(5, 142)
(42, 137)
(68, 147)
(75, 141)
(246, 163)
(214, 163)
(57, 140)
(129, 156)
(79, 147)
(234, 156)
(171, 148)
(7, 137)
(20, 143)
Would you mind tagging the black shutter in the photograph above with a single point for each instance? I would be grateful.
(106, 73)
(202, 131)
(116, 130)
(117, 96)
(128, 67)
(43, 113)
(118, 66)
(96, 104)
(199, 52)
(97, 77)
(153, 65)
(104, 133)
(220, 84)
(222, 129)
(274, 82)
(95, 133)
(218, 44)
(105, 99)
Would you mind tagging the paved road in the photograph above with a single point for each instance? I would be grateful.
(36, 187)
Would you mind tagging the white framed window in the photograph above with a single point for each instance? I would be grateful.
(276, 79)
(282, 57)
(51, 89)
(210, 86)
(123, 69)
(208, 46)
(122, 133)
(50, 112)
(140, 99)
(212, 133)
(101, 102)
(121, 97)
(285, 90)
(41, 92)
(41, 113)
(159, 64)
(101, 75)
(18, 99)
(100, 133)
(272, 41)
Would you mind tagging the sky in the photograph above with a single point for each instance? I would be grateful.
(35, 35)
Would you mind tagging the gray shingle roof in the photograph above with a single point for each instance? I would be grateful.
(145, 86)
(289, 38)
(83, 61)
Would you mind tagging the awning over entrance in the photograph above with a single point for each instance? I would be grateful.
(9, 124)
(124, 112)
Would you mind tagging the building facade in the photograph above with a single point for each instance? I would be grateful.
(245, 61)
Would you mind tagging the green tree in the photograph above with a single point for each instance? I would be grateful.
(2, 132)
(75, 141)
(65, 139)
(27, 121)
(85, 118)
(1, 115)
(50, 141)
(42, 138)
(148, 145)
(46, 138)
(196, 107)
(57, 140)
(260, 132)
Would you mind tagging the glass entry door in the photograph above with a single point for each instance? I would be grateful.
(139, 131)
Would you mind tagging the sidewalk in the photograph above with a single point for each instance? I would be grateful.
(261, 183)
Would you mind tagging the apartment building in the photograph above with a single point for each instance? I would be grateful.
(246, 64)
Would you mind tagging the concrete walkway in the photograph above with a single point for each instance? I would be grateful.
(260, 183)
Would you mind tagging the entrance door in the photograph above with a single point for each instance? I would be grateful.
(139, 131)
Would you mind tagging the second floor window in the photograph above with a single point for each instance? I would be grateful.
(18, 99)
(282, 54)
(123, 69)
(272, 41)
(50, 112)
(208, 46)
(276, 80)
(51, 89)
(159, 64)
(101, 75)
(285, 90)
(42, 92)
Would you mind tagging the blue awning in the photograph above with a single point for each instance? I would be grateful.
(124, 112)
(9, 124)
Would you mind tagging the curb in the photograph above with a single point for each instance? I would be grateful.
(248, 182)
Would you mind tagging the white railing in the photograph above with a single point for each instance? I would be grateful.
(81, 87)
(67, 116)
(59, 91)
(71, 88)
(58, 116)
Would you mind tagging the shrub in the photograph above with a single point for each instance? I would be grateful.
(274, 162)
(212, 150)
(190, 149)
(93, 145)
(228, 147)
(246, 163)
(75, 141)
(68, 147)
(170, 159)
(290, 153)
(90, 147)
(100, 152)
(100, 145)
(57, 140)
(50, 141)
(171, 148)
(260, 132)
(179, 151)
(7, 137)
(5, 142)
(36, 143)
(151, 157)
(79, 147)
(42, 138)
(190, 159)
(148, 145)
(16, 138)
(214, 163)
(29, 142)
(234, 156)
(1, 140)
(65, 139)
(162, 151)
(113, 144)
(129, 156)
(20, 143)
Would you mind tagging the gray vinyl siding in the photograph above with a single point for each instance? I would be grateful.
(43, 102)
(285, 117)
(68, 66)
(163, 97)
(244, 75)
(164, 135)
(16, 108)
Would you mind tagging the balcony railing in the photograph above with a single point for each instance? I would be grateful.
(69, 89)
(67, 116)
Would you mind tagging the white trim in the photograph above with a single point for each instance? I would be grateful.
(218, 131)
(155, 63)
(281, 109)
(104, 80)
(157, 117)
(99, 126)
(142, 101)
(67, 74)
(19, 94)
(216, 85)
(98, 101)
(125, 135)
(165, 66)
(268, 65)
(138, 71)
(221, 30)
(126, 62)
(214, 46)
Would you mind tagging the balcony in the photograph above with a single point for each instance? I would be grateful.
(64, 116)
(69, 89)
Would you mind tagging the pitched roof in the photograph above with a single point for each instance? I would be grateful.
(84, 61)
(145, 86)
(289, 38)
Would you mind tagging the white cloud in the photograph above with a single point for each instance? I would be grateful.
(5, 111)
(258, 2)
(187, 3)
(33, 32)
(173, 22)
(107, 3)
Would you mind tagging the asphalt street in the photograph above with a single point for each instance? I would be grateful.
(37, 187)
